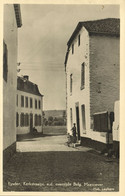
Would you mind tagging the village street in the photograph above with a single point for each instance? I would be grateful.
(45, 163)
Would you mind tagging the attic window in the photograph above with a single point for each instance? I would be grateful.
(72, 48)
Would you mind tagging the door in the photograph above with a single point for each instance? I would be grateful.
(77, 122)
(31, 122)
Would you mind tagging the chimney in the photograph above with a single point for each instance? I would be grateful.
(26, 77)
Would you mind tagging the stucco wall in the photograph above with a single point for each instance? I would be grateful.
(28, 110)
(74, 67)
(104, 69)
(116, 126)
(9, 87)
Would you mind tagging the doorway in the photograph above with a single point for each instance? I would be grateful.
(77, 122)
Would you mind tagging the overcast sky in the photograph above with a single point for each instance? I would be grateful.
(43, 40)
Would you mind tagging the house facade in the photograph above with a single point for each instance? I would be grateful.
(11, 23)
(92, 75)
(29, 106)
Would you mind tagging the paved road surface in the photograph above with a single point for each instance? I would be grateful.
(47, 143)
(46, 164)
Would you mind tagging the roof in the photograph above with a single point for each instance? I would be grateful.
(27, 86)
(107, 26)
(18, 15)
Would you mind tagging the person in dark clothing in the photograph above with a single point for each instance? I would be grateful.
(74, 134)
(34, 130)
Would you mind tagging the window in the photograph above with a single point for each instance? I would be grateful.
(5, 61)
(99, 87)
(31, 103)
(72, 48)
(26, 102)
(71, 83)
(35, 104)
(83, 76)
(17, 100)
(39, 104)
(22, 101)
(22, 120)
(71, 117)
(100, 121)
(79, 40)
(83, 118)
(36, 121)
(39, 120)
(26, 120)
(17, 119)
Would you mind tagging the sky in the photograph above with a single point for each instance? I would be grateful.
(42, 44)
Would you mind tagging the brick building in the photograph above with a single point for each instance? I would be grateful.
(29, 108)
(92, 75)
(11, 22)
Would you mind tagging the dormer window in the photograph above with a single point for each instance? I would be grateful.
(79, 40)
(72, 48)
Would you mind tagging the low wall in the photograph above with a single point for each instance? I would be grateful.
(8, 153)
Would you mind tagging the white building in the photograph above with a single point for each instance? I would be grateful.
(116, 127)
(29, 106)
(92, 75)
(11, 22)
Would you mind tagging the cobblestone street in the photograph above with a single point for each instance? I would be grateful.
(47, 164)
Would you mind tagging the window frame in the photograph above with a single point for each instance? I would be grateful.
(82, 76)
(22, 120)
(35, 103)
(83, 112)
(71, 83)
(31, 102)
(17, 99)
(22, 100)
(39, 104)
(5, 61)
(17, 119)
(26, 102)
(71, 117)
(36, 120)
